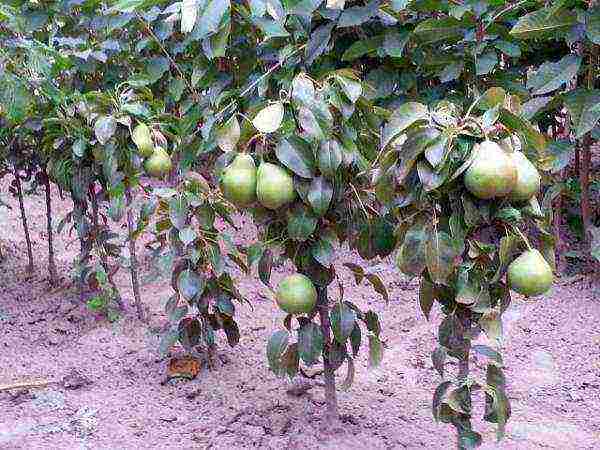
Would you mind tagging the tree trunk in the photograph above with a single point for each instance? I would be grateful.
(329, 373)
(133, 266)
(30, 267)
(102, 254)
(584, 175)
(557, 225)
(51, 263)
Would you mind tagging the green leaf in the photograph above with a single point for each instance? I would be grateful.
(430, 31)
(411, 256)
(438, 357)
(189, 12)
(210, 20)
(270, 28)
(278, 342)
(265, 265)
(438, 397)
(190, 285)
(402, 118)
(485, 63)
(310, 343)
(355, 339)
(318, 42)
(320, 194)
(269, 119)
(440, 255)
(488, 352)
(322, 252)
(187, 235)
(343, 319)
(358, 15)
(301, 223)
(508, 246)
(426, 296)
(394, 43)
(178, 209)
(296, 155)
(539, 24)
(105, 128)
(584, 107)
(347, 383)
(228, 135)
(363, 47)
(551, 76)
(330, 157)
(491, 324)
(375, 351)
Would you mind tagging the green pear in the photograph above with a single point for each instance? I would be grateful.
(296, 294)
(143, 140)
(238, 182)
(530, 274)
(528, 179)
(274, 186)
(492, 173)
(159, 164)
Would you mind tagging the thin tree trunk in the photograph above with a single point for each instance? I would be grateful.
(103, 256)
(30, 267)
(557, 225)
(329, 373)
(586, 215)
(133, 266)
(51, 263)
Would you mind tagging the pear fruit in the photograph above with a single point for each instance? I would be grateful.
(530, 274)
(143, 140)
(296, 294)
(492, 173)
(528, 179)
(274, 186)
(238, 182)
(159, 164)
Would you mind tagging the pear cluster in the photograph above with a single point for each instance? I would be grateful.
(158, 162)
(495, 173)
(242, 183)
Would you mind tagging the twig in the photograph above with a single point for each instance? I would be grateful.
(26, 385)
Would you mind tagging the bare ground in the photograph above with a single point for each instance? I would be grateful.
(551, 351)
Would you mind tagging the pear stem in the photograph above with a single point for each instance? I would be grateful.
(523, 237)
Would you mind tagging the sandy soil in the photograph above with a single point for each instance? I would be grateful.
(117, 401)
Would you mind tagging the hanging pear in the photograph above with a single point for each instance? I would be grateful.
(274, 186)
(143, 140)
(238, 182)
(528, 178)
(530, 274)
(492, 173)
(159, 164)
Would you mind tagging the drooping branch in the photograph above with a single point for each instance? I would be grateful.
(133, 265)
(30, 266)
(329, 372)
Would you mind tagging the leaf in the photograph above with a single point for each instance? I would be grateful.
(322, 252)
(375, 351)
(411, 256)
(363, 47)
(508, 246)
(347, 383)
(228, 135)
(105, 128)
(318, 42)
(187, 235)
(491, 324)
(189, 12)
(402, 118)
(269, 119)
(412, 148)
(310, 343)
(357, 271)
(451, 335)
(276, 346)
(438, 357)
(270, 28)
(539, 24)
(320, 194)
(358, 15)
(441, 251)
(355, 339)
(330, 157)
(488, 352)
(190, 285)
(210, 20)
(295, 154)
(551, 76)
(178, 209)
(584, 107)
(167, 341)
(394, 43)
(265, 265)
(343, 319)
(426, 296)
(378, 286)
(301, 223)
(438, 397)
(430, 31)
(303, 90)
(485, 63)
